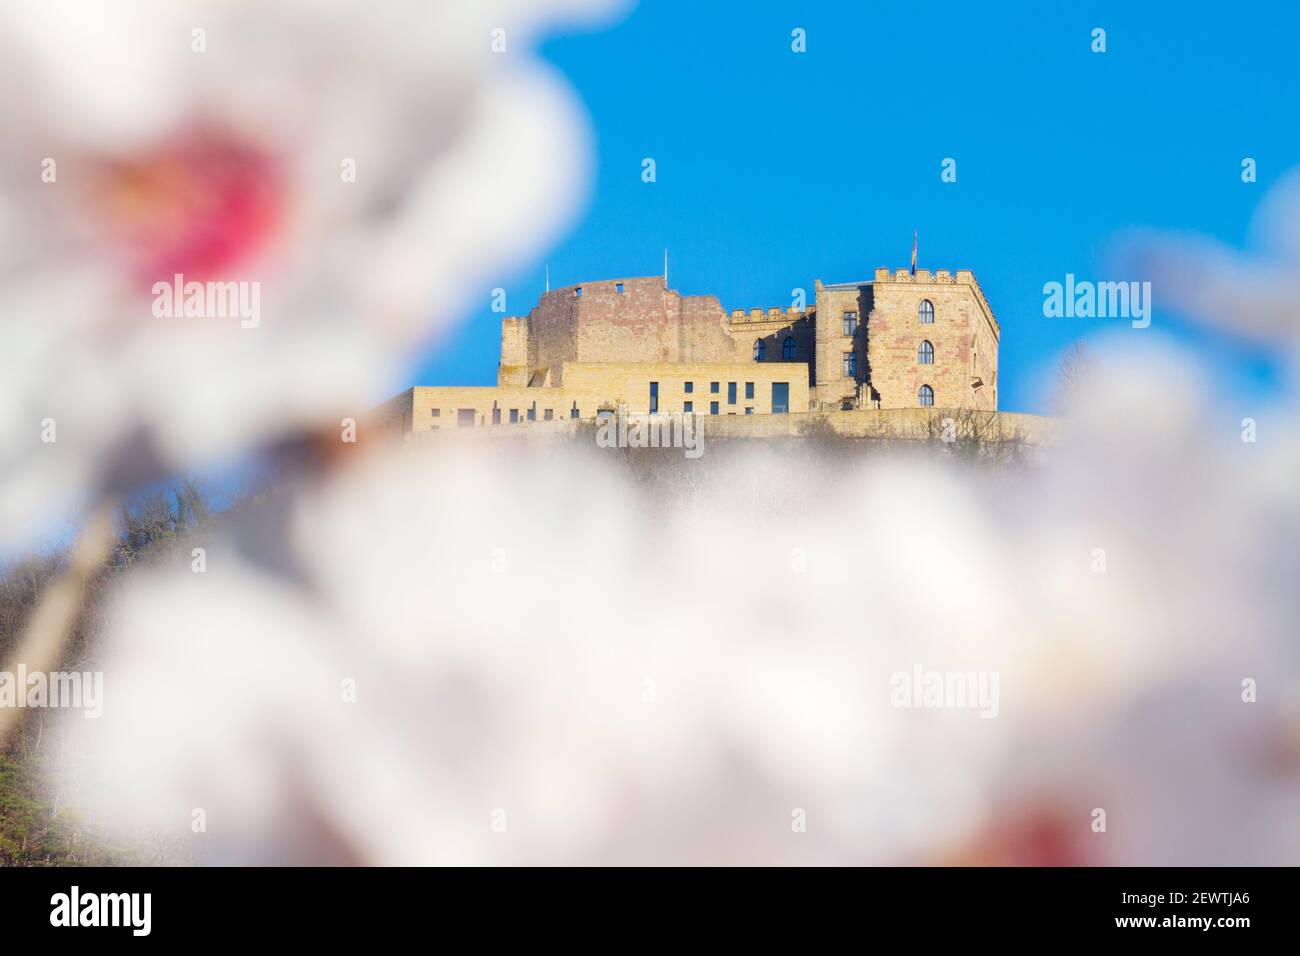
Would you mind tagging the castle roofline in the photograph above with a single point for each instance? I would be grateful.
(609, 281)
(942, 277)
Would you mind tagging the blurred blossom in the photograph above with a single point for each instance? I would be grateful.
(1255, 296)
(503, 615)
(367, 166)
(550, 663)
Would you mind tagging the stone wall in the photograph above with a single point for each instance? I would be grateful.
(552, 332)
(513, 367)
(637, 319)
(634, 319)
(834, 384)
(629, 384)
(772, 327)
(590, 386)
(899, 424)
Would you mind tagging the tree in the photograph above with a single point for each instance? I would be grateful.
(1071, 376)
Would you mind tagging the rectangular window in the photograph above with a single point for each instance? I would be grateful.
(532, 412)
(688, 407)
(618, 287)
(573, 412)
(690, 388)
(437, 412)
(780, 398)
(850, 364)
(713, 388)
(654, 397)
(850, 323)
(496, 416)
(749, 391)
(713, 408)
(731, 393)
(548, 415)
(514, 416)
(749, 411)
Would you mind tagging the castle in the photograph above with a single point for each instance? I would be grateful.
(899, 340)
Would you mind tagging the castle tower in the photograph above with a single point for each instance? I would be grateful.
(902, 341)
(932, 331)
(513, 367)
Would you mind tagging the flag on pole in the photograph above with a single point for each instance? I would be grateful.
(913, 252)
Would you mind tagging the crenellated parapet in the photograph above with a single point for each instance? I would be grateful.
(772, 316)
(940, 277)
(898, 340)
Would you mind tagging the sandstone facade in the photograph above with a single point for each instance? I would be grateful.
(897, 340)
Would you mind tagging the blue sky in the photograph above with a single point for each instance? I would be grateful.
(776, 168)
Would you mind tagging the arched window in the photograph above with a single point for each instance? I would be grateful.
(926, 396)
(760, 350)
(787, 348)
(925, 354)
(925, 312)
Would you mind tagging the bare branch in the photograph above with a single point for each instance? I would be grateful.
(52, 621)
